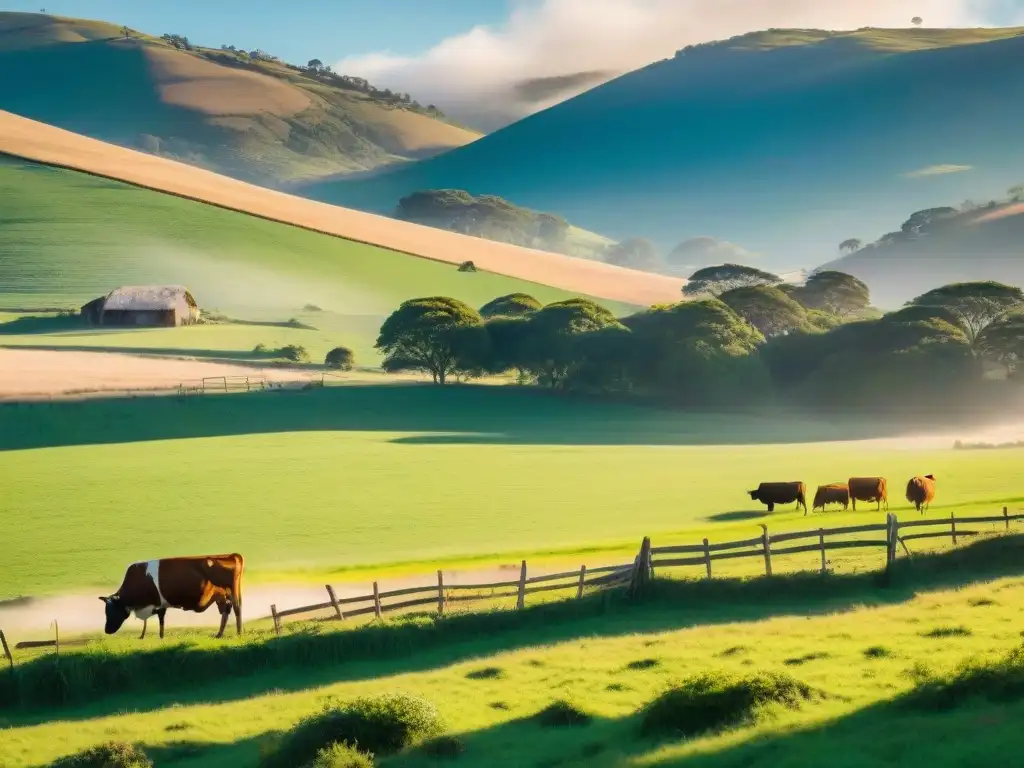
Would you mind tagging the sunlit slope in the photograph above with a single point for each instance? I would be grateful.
(785, 142)
(45, 144)
(257, 120)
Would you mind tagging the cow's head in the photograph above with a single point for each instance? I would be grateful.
(931, 477)
(753, 495)
(117, 613)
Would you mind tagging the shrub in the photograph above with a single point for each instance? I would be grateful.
(877, 652)
(467, 266)
(713, 701)
(485, 673)
(382, 725)
(960, 631)
(113, 754)
(340, 358)
(562, 714)
(1000, 682)
(294, 352)
(341, 756)
(312, 308)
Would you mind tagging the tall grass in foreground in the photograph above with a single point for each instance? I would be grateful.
(98, 672)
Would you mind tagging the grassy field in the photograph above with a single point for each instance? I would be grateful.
(877, 659)
(68, 237)
(360, 475)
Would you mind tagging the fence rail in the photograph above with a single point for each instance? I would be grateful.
(223, 384)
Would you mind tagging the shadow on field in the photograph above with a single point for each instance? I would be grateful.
(739, 514)
(100, 681)
(206, 354)
(455, 414)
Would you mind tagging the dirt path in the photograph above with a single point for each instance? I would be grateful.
(26, 374)
(31, 618)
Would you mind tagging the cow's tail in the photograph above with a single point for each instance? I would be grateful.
(236, 590)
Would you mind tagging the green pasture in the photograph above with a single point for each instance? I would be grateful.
(861, 648)
(67, 237)
(308, 482)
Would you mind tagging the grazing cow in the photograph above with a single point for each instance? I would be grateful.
(188, 583)
(781, 493)
(833, 493)
(869, 489)
(921, 492)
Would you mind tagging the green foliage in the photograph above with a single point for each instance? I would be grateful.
(1003, 341)
(340, 358)
(295, 353)
(725, 277)
(341, 756)
(851, 245)
(113, 754)
(1000, 682)
(766, 308)
(514, 304)
(834, 292)
(714, 701)
(554, 331)
(445, 747)
(562, 714)
(381, 725)
(438, 335)
(975, 305)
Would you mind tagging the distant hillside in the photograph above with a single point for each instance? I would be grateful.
(942, 245)
(495, 218)
(777, 140)
(241, 113)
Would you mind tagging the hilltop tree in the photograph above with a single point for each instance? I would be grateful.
(851, 245)
(315, 64)
(1016, 193)
(974, 305)
(438, 335)
(511, 305)
(725, 277)
(917, 21)
(834, 292)
(766, 308)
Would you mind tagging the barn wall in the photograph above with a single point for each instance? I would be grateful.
(140, 318)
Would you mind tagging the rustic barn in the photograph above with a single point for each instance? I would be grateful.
(144, 306)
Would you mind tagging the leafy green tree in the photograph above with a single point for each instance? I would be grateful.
(851, 245)
(315, 64)
(634, 253)
(1003, 341)
(604, 360)
(340, 358)
(834, 292)
(510, 339)
(511, 305)
(766, 308)
(724, 277)
(437, 335)
(551, 350)
(975, 305)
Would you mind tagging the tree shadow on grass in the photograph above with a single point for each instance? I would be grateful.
(455, 414)
(97, 682)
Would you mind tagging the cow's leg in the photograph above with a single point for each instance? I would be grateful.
(145, 622)
(771, 506)
(238, 616)
(160, 615)
(225, 611)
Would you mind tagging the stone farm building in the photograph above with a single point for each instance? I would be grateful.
(145, 306)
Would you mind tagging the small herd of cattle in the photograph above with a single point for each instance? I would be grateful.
(920, 493)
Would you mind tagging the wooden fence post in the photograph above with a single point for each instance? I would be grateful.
(821, 545)
(225, 383)
(1006, 517)
(334, 601)
(707, 557)
(767, 542)
(952, 522)
(376, 600)
(7, 650)
(56, 638)
(440, 593)
(277, 619)
(641, 569)
(583, 578)
(521, 597)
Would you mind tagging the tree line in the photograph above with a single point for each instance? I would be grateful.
(736, 342)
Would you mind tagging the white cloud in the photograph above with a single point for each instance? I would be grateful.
(474, 74)
(937, 170)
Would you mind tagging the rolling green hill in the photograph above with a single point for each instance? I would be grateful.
(67, 237)
(782, 141)
(938, 246)
(246, 116)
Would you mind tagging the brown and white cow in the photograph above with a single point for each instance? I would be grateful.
(187, 583)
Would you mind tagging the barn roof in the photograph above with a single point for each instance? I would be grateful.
(148, 297)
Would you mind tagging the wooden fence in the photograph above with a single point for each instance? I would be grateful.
(440, 595)
(888, 536)
(223, 384)
(55, 643)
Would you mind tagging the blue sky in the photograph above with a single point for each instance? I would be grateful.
(296, 31)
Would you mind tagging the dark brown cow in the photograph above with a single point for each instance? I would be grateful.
(188, 583)
(921, 491)
(869, 489)
(781, 493)
(833, 493)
